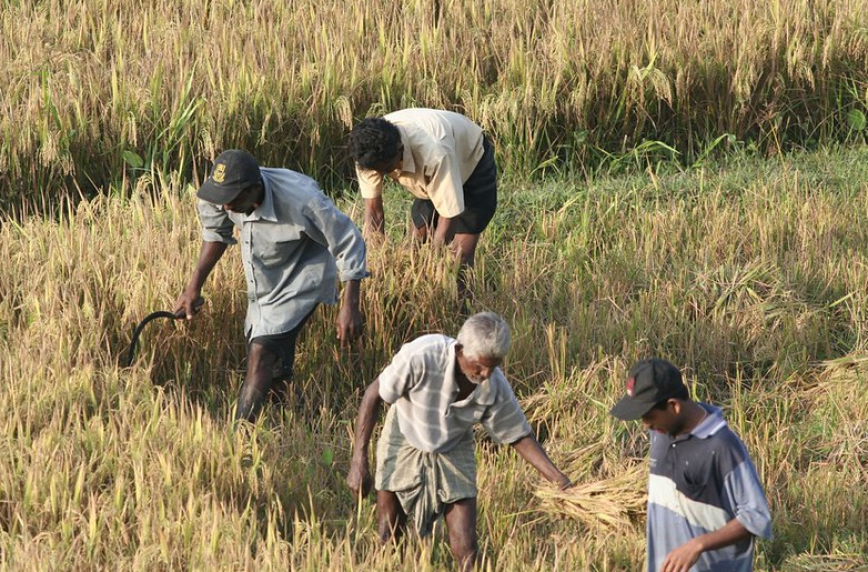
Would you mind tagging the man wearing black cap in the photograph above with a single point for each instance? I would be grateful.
(705, 500)
(295, 245)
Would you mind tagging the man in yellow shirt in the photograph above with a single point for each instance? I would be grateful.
(444, 160)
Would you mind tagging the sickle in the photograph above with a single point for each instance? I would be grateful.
(150, 318)
(138, 331)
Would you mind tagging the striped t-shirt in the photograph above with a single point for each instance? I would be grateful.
(697, 484)
(420, 382)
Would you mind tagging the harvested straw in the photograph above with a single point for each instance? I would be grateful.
(616, 502)
(827, 563)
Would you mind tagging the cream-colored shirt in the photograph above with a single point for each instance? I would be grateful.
(441, 150)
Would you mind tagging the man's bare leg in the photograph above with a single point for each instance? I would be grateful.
(391, 518)
(461, 522)
(464, 246)
(257, 381)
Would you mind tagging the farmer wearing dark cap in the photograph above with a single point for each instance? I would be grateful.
(705, 501)
(295, 245)
(444, 160)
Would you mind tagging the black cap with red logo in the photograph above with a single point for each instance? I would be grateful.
(649, 382)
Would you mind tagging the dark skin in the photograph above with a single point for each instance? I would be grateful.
(261, 359)
(462, 244)
(461, 515)
(679, 418)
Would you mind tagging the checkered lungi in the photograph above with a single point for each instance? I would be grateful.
(424, 482)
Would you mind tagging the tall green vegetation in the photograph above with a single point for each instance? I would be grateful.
(92, 89)
(753, 278)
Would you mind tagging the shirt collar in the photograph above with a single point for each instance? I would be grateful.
(266, 209)
(409, 165)
(484, 393)
(451, 367)
(712, 423)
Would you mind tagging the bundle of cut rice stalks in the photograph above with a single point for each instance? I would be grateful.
(615, 502)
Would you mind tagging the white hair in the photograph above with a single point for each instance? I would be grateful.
(484, 335)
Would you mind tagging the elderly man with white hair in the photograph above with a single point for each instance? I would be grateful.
(439, 388)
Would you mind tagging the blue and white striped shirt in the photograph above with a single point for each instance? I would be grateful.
(697, 484)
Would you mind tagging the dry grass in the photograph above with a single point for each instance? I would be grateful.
(616, 502)
(852, 562)
(751, 278)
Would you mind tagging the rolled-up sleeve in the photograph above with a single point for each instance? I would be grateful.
(400, 376)
(744, 491)
(504, 420)
(337, 232)
(370, 183)
(216, 224)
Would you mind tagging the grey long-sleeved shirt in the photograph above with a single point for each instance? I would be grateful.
(293, 247)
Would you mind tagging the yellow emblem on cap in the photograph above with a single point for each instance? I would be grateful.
(220, 173)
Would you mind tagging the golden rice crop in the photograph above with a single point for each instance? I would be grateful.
(751, 277)
(92, 89)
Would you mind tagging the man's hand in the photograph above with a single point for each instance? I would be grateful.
(188, 304)
(375, 220)
(359, 478)
(532, 452)
(564, 483)
(683, 558)
(349, 324)
(350, 321)
(445, 231)
(190, 300)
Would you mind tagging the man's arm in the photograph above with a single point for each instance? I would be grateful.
(329, 226)
(359, 475)
(371, 189)
(444, 232)
(532, 452)
(350, 320)
(375, 226)
(685, 556)
(209, 255)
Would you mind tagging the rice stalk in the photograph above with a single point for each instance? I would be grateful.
(617, 502)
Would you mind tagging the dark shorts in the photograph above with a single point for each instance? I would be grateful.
(480, 198)
(283, 346)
